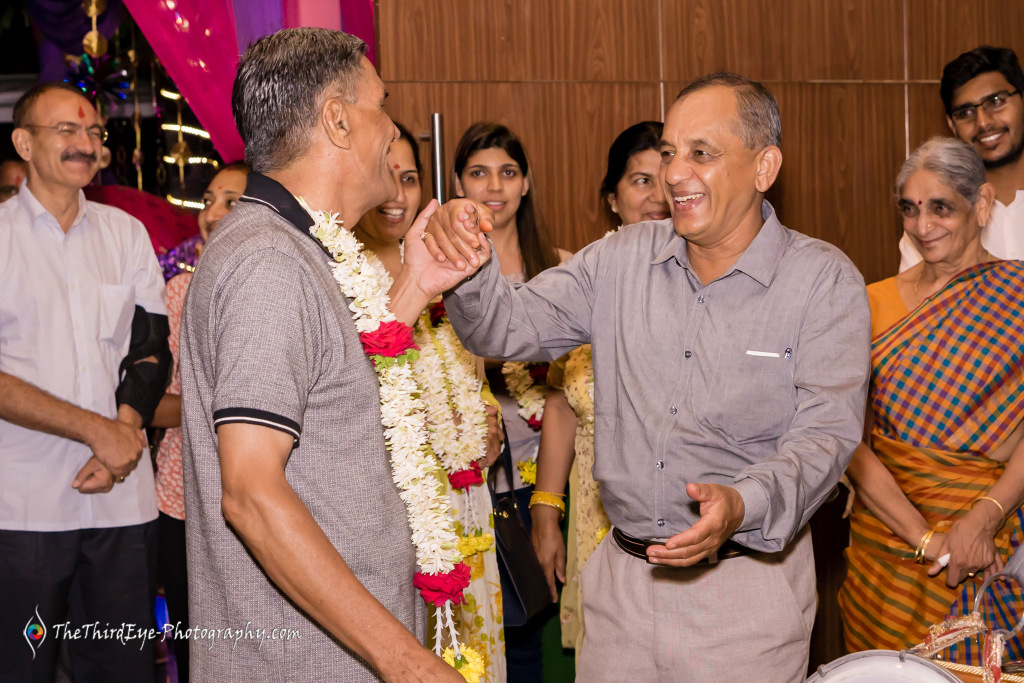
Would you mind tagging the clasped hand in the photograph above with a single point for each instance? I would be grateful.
(970, 544)
(454, 225)
(721, 513)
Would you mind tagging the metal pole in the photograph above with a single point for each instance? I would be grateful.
(437, 155)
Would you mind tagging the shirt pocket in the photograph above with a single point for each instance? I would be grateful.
(116, 310)
(750, 397)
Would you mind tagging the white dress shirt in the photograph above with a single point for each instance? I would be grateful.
(66, 308)
(1002, 236)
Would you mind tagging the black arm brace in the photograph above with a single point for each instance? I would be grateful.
(142, 384)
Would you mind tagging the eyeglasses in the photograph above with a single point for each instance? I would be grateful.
(994, 102)
(70, 131)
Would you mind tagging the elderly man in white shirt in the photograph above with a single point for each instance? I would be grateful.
(83, 362)
(982, 93)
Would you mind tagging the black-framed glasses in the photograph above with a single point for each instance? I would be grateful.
(71, 131)
(994, 102)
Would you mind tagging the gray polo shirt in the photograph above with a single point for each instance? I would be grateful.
(756, 380)
(267, 338)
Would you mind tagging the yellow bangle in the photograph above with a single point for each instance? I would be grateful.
(923, 546)
(549, 493)
(549, 499)
(990, 499)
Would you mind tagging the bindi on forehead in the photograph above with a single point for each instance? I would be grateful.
(919, 202)
(81, 112)
(396, 167)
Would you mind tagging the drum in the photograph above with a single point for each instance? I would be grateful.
(881, 666)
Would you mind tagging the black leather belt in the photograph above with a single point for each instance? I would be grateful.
(637, 547)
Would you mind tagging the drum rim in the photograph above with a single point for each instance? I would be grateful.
(826, 669)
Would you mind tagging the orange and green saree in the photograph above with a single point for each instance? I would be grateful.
(947, 388)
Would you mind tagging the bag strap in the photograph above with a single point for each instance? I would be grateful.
(506, 464)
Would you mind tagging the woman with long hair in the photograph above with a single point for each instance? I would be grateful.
(491, 167)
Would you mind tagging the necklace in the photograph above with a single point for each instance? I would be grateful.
(441, 575)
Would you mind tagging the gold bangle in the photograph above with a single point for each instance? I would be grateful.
(549, 499)
(922, 546)
(549, 493)
(990, 499)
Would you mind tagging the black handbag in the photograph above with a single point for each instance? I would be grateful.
(524, 588)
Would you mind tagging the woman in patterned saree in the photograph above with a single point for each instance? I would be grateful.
(942, 470)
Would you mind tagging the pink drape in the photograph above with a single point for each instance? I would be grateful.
(195, 40)
(199, 41)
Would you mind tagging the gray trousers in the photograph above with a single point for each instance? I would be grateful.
(744, 619)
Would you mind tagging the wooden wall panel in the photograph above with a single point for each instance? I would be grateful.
(518, 40)
(784, 40)
(939, 30)
(926, 113)
(565, 127)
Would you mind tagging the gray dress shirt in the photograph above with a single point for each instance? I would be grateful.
(756, 380)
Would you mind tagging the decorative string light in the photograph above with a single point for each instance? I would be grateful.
(194, 160)
(186, 203)
(191, 130)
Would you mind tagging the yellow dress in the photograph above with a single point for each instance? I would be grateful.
(587, 521)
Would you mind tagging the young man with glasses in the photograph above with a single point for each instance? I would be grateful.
(83, 363)
(981, 91)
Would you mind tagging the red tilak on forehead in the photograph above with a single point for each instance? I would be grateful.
(396, 167)
(81, 113)
(919, 202)
(219, 186)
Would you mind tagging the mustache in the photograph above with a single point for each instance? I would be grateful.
(75, 155)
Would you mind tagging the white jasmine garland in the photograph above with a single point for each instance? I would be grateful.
(364, 280)
(449, 389)
(522, 388)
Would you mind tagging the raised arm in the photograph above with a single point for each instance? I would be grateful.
(540, 320)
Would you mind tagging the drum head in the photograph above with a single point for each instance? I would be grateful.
(881, 666)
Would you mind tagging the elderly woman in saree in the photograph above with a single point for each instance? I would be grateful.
(941, 472)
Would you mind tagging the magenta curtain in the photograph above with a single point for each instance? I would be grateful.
(195, 41)
(199, 41)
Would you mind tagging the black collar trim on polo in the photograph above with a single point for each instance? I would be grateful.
(259, 189)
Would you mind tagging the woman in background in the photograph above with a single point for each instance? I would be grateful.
(382, 231)
(220, 197)
(941, 471)
(491, 167)
(632, 193)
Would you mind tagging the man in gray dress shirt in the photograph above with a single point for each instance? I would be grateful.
(731, 359)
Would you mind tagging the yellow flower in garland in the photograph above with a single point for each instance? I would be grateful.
(470, 663)
(600, 533)
(528, 472)
(478, 543)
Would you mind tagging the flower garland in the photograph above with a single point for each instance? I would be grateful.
(449, 390)
(523, 382)
(445, 372)
(525, 385)
(441, 575)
